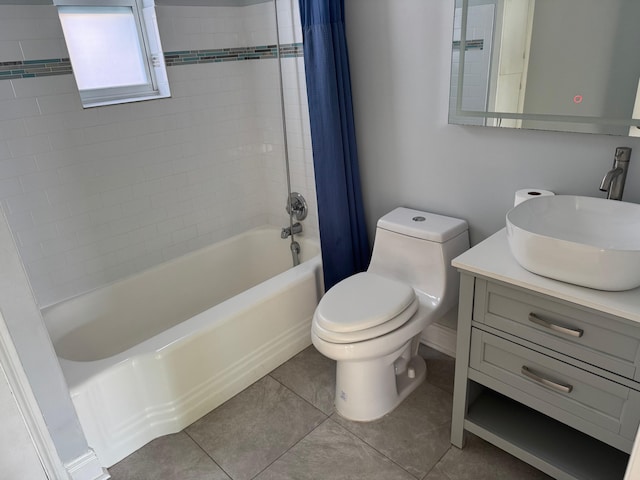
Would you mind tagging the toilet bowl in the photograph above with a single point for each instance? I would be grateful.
(371, 322)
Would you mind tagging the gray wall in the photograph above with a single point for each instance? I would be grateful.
(400, 55)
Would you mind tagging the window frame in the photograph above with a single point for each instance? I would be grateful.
(150, 49)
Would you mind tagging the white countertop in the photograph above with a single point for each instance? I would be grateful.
(492, 259)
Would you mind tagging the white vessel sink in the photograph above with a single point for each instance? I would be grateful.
(586, 241)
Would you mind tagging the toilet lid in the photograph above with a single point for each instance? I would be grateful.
(363, 301)
(367, 333)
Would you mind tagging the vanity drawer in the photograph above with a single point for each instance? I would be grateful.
(592, 337)
(569, 394)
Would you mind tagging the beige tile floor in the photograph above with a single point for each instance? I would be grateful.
(284, 427)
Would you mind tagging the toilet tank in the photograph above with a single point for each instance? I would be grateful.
(416, 248)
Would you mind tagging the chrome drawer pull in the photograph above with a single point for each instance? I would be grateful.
(527, 372)
(574, 332)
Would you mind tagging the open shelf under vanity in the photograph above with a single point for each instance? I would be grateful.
(542, 441)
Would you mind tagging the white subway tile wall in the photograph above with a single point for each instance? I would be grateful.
(95, 195)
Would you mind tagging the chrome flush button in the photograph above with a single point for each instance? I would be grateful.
(418, 219)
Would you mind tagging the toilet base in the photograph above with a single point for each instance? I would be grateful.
(368, 390)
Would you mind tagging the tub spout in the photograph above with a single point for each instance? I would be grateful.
(295, 253)
(288, 231)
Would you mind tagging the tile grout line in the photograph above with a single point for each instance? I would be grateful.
(292, 446)
(354, 434)
(449, 448)
(373, 448)
(385, 456)
(435, 468)
(299, 396)
(207, 453)
(327, 418)
(436, 464)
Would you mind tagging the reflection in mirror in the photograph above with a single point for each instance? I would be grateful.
(567, 65)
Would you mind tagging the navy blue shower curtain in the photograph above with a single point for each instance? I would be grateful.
(343, 234)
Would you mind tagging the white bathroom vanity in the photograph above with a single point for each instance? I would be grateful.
(546, 370)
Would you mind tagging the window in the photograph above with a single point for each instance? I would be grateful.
(114, 49)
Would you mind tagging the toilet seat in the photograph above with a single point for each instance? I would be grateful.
(362, 307)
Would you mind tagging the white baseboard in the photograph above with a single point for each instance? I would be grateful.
(441, 338)
(87, 467)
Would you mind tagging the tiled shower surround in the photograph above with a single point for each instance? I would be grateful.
(98, 194)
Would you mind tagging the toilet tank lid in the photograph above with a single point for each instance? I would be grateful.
(428, 226)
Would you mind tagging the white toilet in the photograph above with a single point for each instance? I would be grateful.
(371, 322)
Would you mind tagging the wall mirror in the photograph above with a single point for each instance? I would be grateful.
(564, 65)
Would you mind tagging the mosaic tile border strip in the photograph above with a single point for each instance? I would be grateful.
(188, 57)
(62, 66)
(470, 45)
(34, 68)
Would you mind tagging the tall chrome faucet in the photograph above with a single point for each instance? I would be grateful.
(613, 181)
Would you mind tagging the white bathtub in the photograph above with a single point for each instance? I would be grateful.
(151, 354)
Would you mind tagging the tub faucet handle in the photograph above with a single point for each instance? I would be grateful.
(297, 206)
